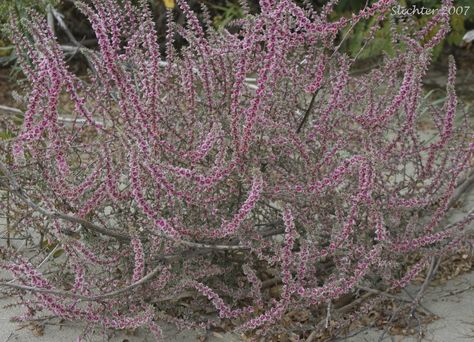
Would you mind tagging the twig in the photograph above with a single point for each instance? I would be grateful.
(210, 246)
(50, 18)
(455, 292)
(8, 223)
(59, 17)
(308, 111)
(62, 24)
(354, 333)
(338, 312)
(16, 111)
(9, 337)
(10, 110)
(328, 314)
(434, 264)
(462, 188)
(139, 282)
(384, 294)
(48, 256)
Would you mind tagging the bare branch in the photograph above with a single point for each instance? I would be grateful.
(142, 281)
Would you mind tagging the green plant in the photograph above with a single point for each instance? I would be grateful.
(225, 13)
(380, 43)
(20, 9)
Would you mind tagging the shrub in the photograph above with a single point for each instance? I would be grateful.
(238, 161)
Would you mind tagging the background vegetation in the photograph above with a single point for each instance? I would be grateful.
(222, 12)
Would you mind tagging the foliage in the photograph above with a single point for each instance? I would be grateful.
(201, 172)
(227, 13)
(19, 8)
(382, 43)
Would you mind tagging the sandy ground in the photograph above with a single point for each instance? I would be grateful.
(453, 302)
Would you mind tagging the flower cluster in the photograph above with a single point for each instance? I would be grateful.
(250, 153)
